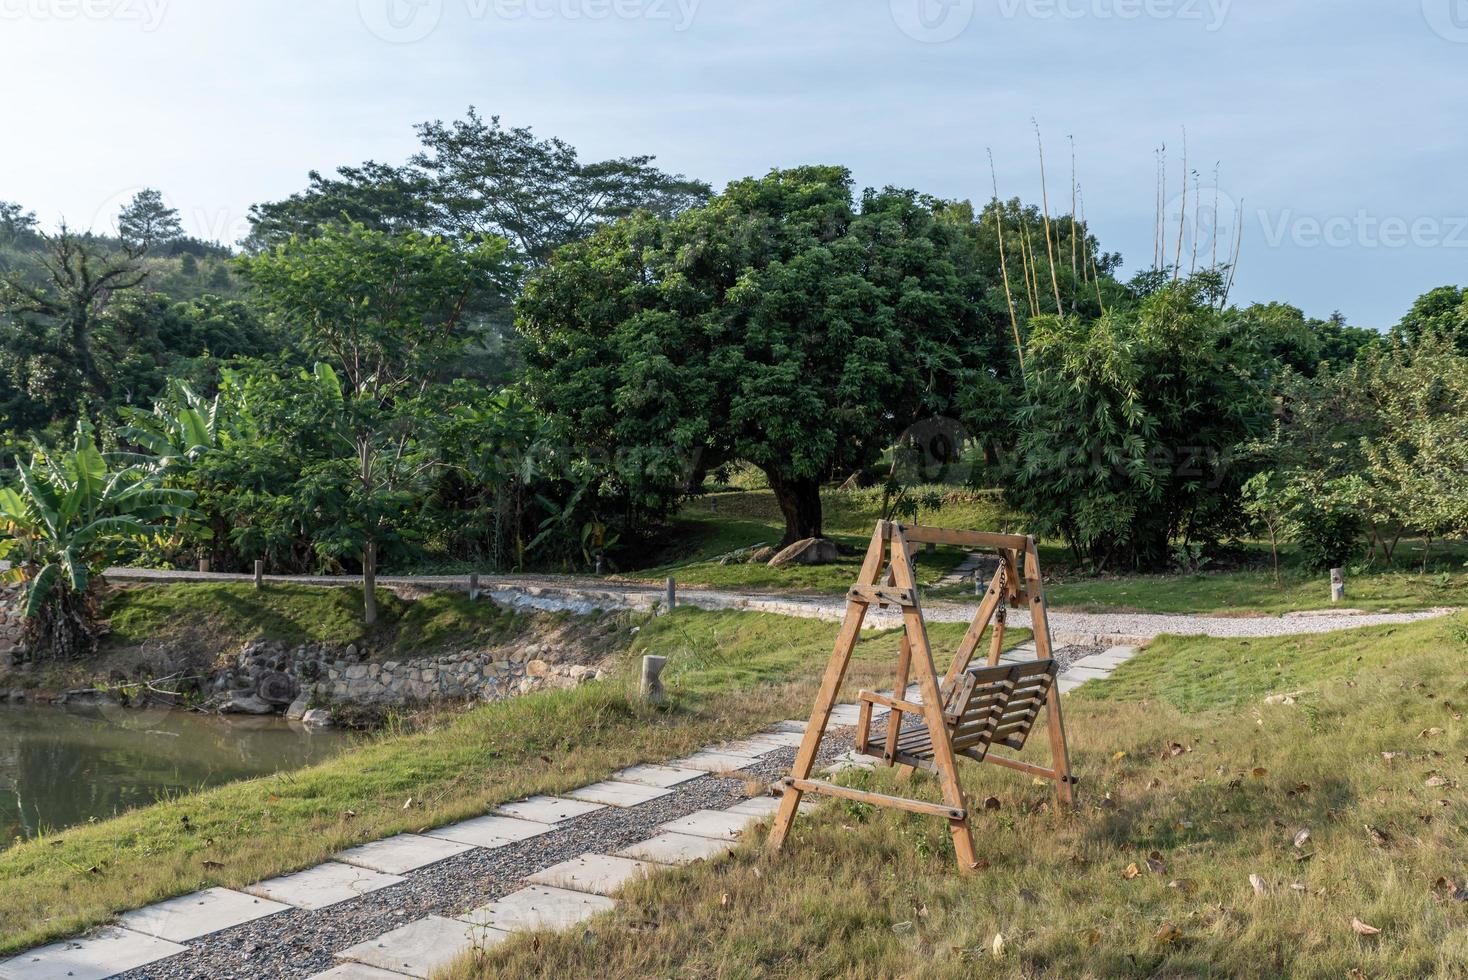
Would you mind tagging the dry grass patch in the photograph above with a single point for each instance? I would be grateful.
(1187, 857)
(729, 674)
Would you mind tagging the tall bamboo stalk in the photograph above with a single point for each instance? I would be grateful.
(1182, 213)
(1073, 192)
(1028, 255)
(1162, 209)
(1088, 255)
(1233, 267)
(1197, 217)
(1216, 166)
(1045, 203)
(1019, 349)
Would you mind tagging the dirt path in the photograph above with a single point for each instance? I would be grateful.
(584, 593)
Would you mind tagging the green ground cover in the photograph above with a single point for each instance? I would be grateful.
(728, 675)
(1217, 835)
(715, 525)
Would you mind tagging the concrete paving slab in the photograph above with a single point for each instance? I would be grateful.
(713, 762)
(662, 776)
(619, 794)
(357, 971)
(717, 824)
(549, 809)
(793, 725)
(844, 716)
(757, 806)
(670, 848)
(403, 853)
(600, 874)
(788, 740)
(322, 886)
(191, 916)
(1068, 684)
(1099, 662)
(104, 953)
(1124, 652)
(491, 831)
(539, 907)
(751, 748)
(420, 948)
(1086, 673)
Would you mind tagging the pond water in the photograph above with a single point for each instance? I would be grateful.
(61, 766)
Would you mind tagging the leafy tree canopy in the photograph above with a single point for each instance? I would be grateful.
(474, 176)
(783, 324)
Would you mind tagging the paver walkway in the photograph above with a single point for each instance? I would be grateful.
(569, 593)
(548, 862)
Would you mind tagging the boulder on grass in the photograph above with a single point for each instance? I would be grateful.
(811, 551)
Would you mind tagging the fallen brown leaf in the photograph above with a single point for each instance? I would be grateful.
(1302, 838)
(1167, 934)
(1259, 772)
(1130, 871)
(1259, 885)
(992, 803)
(1362, 929)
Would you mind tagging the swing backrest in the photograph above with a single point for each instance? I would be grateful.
(990, 705)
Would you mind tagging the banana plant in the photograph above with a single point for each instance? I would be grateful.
(182, 426)
(65, 519)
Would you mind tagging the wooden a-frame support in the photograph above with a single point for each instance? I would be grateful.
(1016, 582)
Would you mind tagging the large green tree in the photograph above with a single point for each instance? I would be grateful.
(388, 314)
(784, 325)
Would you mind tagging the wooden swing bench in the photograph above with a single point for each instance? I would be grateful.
(970, 711)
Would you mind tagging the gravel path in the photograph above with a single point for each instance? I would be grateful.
(555, 593)
(300, 943)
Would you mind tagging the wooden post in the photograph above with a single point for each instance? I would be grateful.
(1337, 585)
(259, 573)
(1040, 625)
(916, 633)
(203, 564)
(651, 687)
(820, 714)
(672, 597)
(473, 586)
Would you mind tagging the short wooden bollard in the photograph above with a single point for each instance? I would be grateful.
(1337, 584)
(259, 573)
(473, 586)
(651, 687)
(672, 597)
(203, 564)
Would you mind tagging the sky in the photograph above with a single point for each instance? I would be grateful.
(1336, 127)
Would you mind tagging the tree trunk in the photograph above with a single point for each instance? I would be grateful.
(369, 582)
(800, 503)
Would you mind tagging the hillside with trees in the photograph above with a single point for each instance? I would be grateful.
(496, 355)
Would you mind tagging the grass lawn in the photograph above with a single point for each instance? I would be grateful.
(1255, 593)
(701, 535)
(1191, 784)
(728, 674)
(225, 614)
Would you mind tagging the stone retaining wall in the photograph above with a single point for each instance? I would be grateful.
(464, 676)
(264, 677)
(10, 624)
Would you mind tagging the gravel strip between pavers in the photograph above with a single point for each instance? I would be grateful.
(298, 943)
